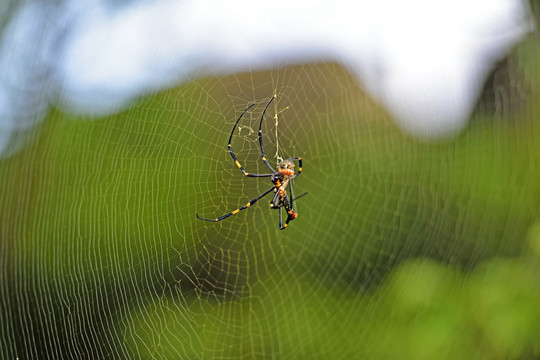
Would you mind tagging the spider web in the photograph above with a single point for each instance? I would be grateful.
(401, 249)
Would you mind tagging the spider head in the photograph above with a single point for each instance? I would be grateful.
(286, 167)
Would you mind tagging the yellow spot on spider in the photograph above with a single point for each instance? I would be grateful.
(264, 158)
(238, 164)
(271, 205)
(236, 211)
(284, 225)
(248, 204)
(246, 174)
(299, 169)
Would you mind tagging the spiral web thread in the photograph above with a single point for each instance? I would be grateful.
(102, 256)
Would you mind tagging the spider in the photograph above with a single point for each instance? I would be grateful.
(280, 179)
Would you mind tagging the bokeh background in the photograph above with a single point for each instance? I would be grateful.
(402, 249)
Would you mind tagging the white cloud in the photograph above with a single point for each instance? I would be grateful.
(424, 60)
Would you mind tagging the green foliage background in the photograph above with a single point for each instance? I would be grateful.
(402, 249)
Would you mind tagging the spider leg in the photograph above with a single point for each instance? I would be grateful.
(251, 202)
(229, 147)
(291, 193)
(274, 203)
(260, 137)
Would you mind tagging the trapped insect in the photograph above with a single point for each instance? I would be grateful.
(281, 179)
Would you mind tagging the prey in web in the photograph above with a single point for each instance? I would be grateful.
(282, 179)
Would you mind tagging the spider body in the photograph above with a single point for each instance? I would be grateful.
(281, 180)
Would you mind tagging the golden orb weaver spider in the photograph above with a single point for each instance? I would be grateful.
(280, 179)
